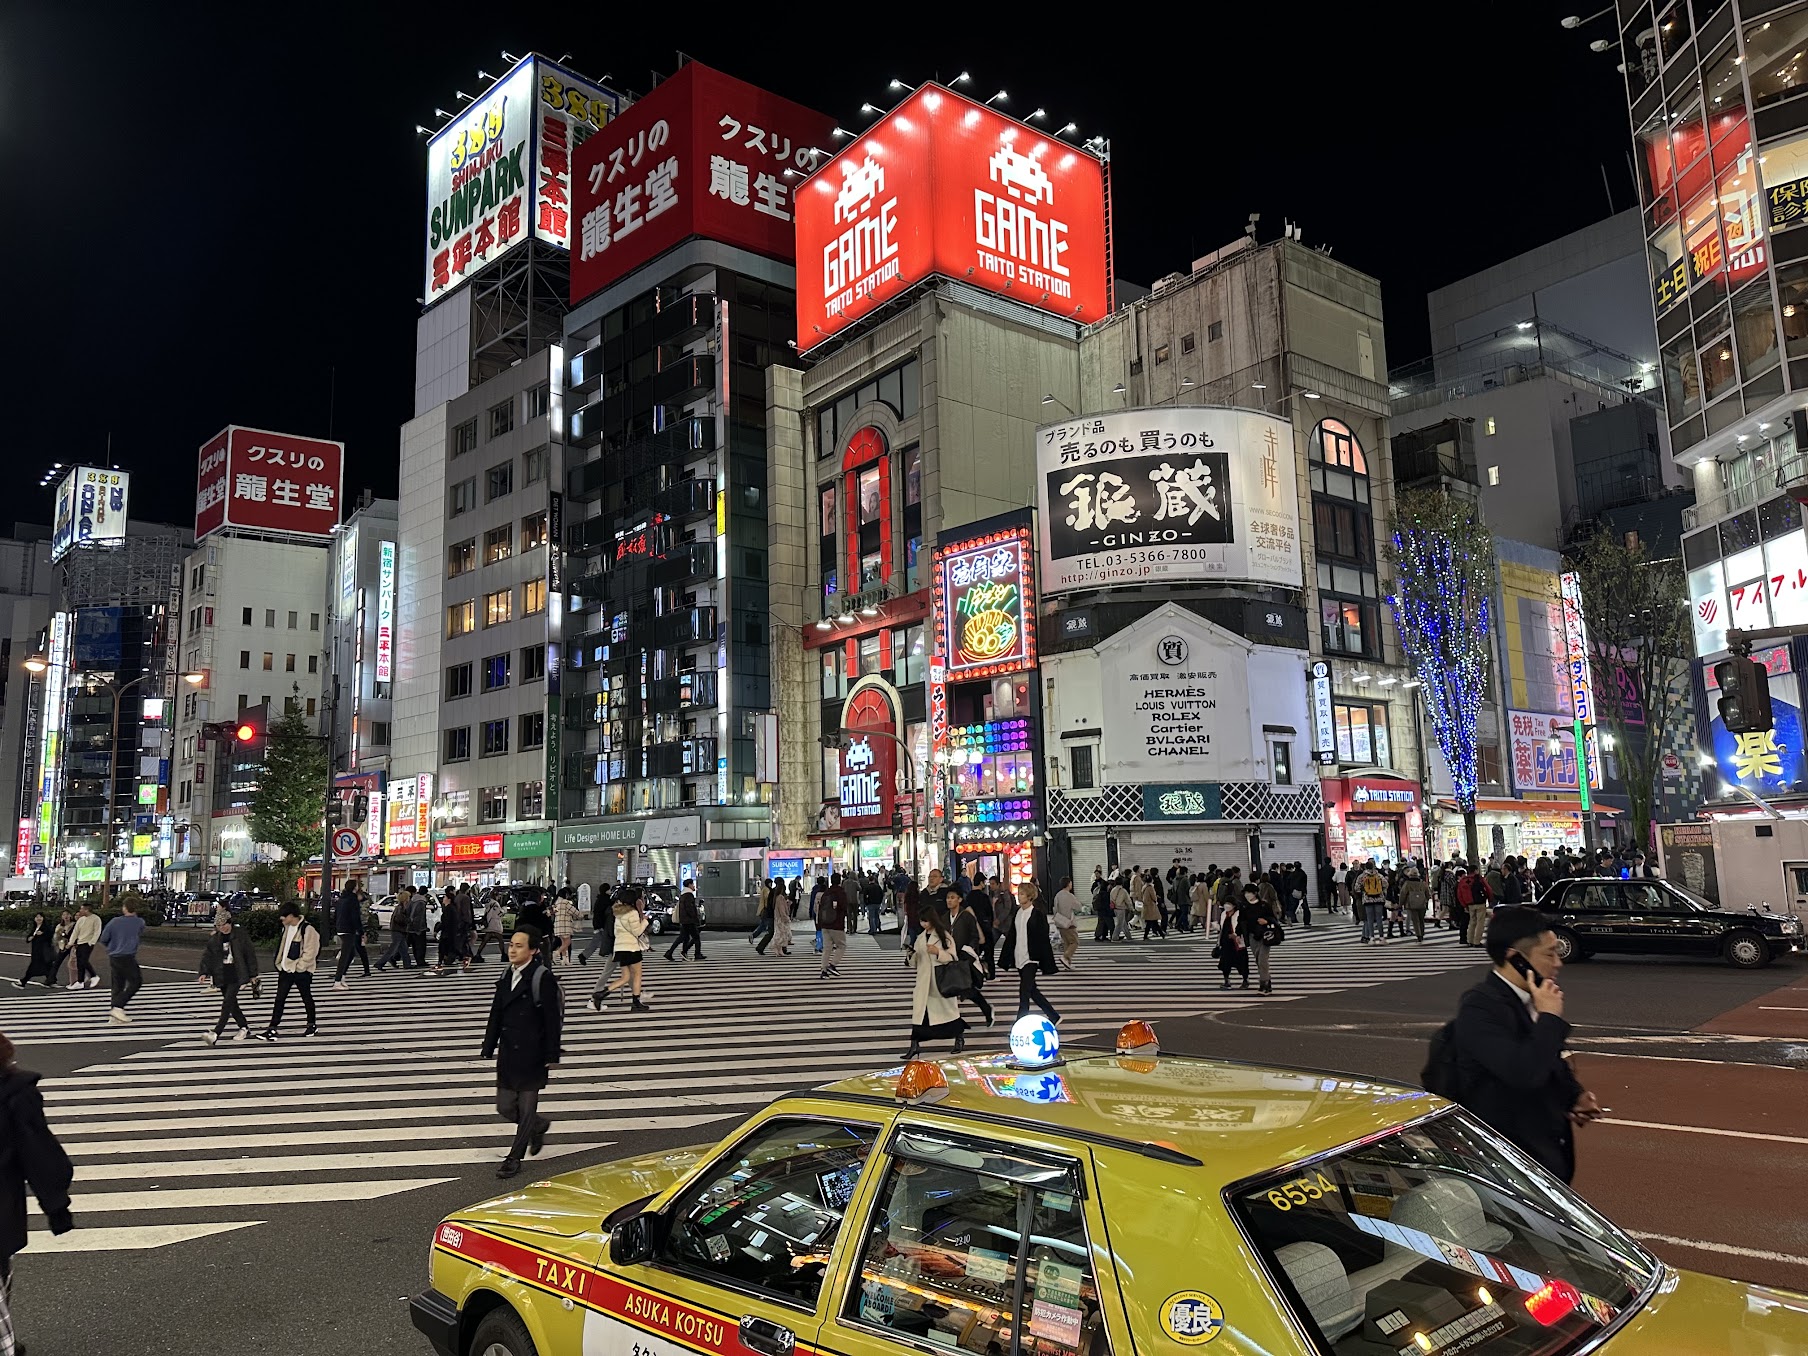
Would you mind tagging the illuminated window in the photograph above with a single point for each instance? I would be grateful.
(497, 543)
(533, 597)
(1490, 426)
(461, 618)
(461, 556)
(1773, 57)
(495, 738)
(1335, 444)
(492, 805)
(1362, 734)
(495, 672)
(1494, 475)
(498, 607)
(530, 800)
(533, 531)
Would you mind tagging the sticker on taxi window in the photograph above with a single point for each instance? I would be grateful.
(1191, 1317)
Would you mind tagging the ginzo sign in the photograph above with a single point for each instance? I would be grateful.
(703, 155)
(268, 482)
(942, 185)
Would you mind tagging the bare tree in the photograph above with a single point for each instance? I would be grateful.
(1640, 644)
(1443, 599)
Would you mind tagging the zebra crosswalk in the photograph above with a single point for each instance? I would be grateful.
(179, 1141)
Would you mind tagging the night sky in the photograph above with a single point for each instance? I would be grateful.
(221, 219)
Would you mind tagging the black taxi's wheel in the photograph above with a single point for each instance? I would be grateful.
(501, 1333)
(1569, 946)
(659, 927)
(1747, 950)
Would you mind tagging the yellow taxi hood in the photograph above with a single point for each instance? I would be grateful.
(1692, 1312)
(576, 1202)
(1235, 1119)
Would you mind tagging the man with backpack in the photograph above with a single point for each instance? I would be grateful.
(523, 1036)
(1473, 896)
(1502, 1055)
(1371, 888)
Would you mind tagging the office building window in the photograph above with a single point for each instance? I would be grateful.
(533, 729)
(458, 744)
(313, 663)
(244, 659)
(463, 496)
(539, 400)
(1214, 332)
(1081, 755)
(495, 672)
(1344, 539)
(461, 557)
(533, 597)
(312, 704)
(497, 543)
(269, 616)
(288, 663)
(313, 621)
(458, 681)
(1362, 734)
(269, 662)
(294, 621)
(498, 481)
(530, 800)
(495, 738)
(1281, 762)
(244, 616)
(533, 531)
(1187, 343)
(379, 732)
(533, 663)
(492, 805)
(1161, 354)
(502, 418)
(464, 437)
(461, 618)
(908, 659)
(533, 466)
(498, 606)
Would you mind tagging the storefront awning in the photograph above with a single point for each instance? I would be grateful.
(1522, 807)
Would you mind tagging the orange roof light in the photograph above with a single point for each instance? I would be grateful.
(922, 1082)
(1137, 1038)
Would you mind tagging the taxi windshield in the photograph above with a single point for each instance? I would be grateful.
(1427, 1240)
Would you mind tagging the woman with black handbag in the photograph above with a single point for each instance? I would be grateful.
(969, 945)
(1261, 932)
(942, 977)
(1232, 951)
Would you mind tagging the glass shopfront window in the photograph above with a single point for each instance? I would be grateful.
(1755, 330)
(1783, 167)
(1773, 56)
(1718, 375)
(1792, 290)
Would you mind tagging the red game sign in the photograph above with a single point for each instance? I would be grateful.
(704, 154)
(268, 482)
(869, 761)
(944, 185)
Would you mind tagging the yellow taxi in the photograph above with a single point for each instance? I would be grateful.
(1088, 1203)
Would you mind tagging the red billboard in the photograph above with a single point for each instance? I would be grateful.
(869, 759)
(268, 482)
(704, 154)
(476, 847)
(944, 185)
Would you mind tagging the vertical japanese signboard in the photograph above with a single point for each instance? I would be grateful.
(500, 172)
(385, 610)
(985, 605)
(703, 155)
(1575, 645)
(944, 185)
(90, 506)
(268, 482)
(1324, 723)
(1167, 496)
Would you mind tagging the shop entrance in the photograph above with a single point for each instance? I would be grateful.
(1377, 838)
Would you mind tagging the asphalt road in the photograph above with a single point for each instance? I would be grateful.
(1676, 1048)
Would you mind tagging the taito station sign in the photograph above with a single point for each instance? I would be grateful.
(943, 185)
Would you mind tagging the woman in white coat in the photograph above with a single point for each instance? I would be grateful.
(934, 1017)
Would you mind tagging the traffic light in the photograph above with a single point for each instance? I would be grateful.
(245, 733)
(335, 813)
(360, 807)
(1744, 695)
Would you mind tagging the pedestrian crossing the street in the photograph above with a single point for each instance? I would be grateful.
(179, 1141)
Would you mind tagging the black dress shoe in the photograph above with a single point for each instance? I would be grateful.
(509, 1167)
(910, 1054)
(537, 1141)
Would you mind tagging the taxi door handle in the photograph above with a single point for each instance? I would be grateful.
(1635, 918)
(766, 1337)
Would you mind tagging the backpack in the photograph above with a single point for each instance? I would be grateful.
(1373, 887)
(1465, 891)
(1441, 1074)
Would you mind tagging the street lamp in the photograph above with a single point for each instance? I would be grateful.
(39, 663)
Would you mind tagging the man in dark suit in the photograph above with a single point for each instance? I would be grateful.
(523, 1036)
(1509, 1041)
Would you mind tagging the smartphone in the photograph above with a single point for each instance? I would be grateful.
(1524, 966)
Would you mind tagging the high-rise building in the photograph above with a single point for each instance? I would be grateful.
(27, 594)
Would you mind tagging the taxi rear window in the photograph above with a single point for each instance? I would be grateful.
(1427, 1240)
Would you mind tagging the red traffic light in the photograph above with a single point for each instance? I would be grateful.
(246, 733)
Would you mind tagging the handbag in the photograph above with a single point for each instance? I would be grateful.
(1272, 935)
(953, 978)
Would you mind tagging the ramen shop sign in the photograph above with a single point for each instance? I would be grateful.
(985, 600)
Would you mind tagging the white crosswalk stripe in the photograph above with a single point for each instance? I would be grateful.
(391, 1096)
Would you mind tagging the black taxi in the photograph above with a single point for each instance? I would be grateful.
(1596, 915)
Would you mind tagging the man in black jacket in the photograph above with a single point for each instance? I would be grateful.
(523, 1035)
(348, 922)
(29, 1152)
(229, 961)
(1509, 1040)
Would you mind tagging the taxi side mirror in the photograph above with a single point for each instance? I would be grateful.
(635, 1239)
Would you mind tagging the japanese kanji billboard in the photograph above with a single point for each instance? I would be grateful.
(944, 185)
(500, 171)
(1167, 495)
(1537, 766)
(985, 603)
(90, 506)
(703, 155)
(268, 482)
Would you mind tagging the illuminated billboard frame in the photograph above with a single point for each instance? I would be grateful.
(985, 605)
(91, 504)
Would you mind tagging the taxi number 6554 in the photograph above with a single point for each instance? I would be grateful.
(1301, 1191)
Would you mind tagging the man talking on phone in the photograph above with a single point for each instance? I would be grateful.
(1509, 1036)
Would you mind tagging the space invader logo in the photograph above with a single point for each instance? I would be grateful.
(861, 184)
(1021, 176)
